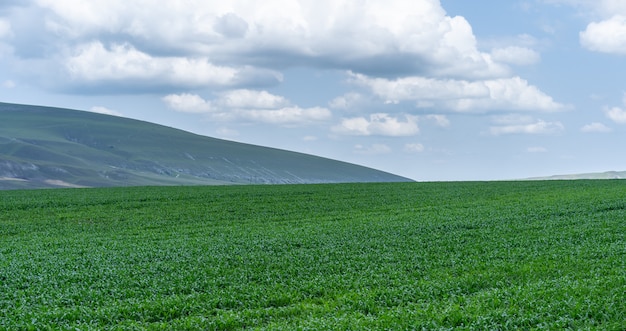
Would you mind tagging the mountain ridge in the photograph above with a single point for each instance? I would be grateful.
(44, 147)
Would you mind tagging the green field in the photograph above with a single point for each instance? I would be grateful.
(424, 256)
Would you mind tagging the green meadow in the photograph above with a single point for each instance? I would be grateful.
(548, 255)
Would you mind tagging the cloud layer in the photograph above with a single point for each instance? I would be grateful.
(606, 31)
(606, 36)
(220, 58)
(461, 95)
(515, 124)
(248, 105)
(379, 124)
(235, 43)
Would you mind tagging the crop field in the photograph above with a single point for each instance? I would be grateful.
(397, 256)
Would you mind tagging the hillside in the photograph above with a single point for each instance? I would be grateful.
(52, 147)
(595, 175)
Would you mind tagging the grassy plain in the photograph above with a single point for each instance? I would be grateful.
(435, 256)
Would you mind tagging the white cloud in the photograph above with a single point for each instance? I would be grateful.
(187, 103)
(126, 66)
(606, 32)
(358, 126)
(516, 55)
(416, 88)
(380, 124)
(374, 149)
(535, 127)
(617, 115)
(461, 95)
(414, 148)
(511, 93)
(247, 105)
(244, 98)
(608, 36)
(239, 46)
(104, 110)
(217, 38)
(595, 127)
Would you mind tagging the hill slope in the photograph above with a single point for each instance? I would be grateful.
(594, 175)
(53, 147)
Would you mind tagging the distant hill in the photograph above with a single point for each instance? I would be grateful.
(53, 147)
(595, 175)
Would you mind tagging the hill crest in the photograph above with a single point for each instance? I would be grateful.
(55, 147)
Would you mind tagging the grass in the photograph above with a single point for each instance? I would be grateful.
(413, 256)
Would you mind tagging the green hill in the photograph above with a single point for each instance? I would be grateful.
(52, 147)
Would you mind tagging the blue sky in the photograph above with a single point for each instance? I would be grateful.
(431, 90)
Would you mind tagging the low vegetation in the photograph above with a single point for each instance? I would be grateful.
(435, 256)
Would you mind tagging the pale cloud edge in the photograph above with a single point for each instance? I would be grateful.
(379, 124)
(595, 127)
(247, 105)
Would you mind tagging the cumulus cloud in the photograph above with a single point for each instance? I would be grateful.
(595, 127)
(516, 55)
(394, 51)
(244, 98)
(617, 115)
(461, 95)
(244, 43)
(188, 103)
(379, 124)
(608, 36)
(606, 32)
(124, 65)
(247, 105)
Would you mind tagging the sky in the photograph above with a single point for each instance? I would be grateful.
(427, 89)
